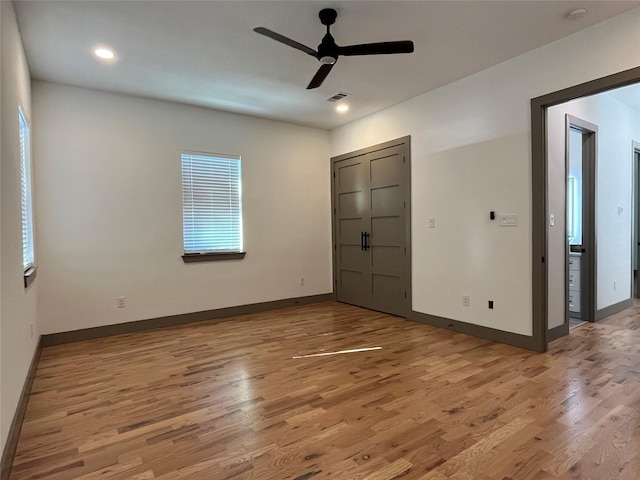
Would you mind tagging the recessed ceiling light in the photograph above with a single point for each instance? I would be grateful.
(105, 53)
(576, 13)
(342, 107)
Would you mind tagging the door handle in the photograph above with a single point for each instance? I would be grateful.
(366, 241)
(362, 241)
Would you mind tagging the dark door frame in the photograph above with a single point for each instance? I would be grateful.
(588, 260)
(539, 226)
(635, 235)
(406, 141)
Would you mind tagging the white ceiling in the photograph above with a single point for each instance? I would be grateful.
(205, 52)
(628, 95)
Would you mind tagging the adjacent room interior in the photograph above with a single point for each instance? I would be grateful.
(592, 143)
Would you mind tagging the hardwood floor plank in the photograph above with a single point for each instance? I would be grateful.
(391, 471)
(242, 400)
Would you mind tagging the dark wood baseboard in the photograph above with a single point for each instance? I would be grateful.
(16, 425)
(514, 339)
(558, 332)
(172, 320)
(613, 309)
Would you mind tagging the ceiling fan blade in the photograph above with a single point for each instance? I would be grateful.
(287, 41)
(382, 48)
(320, 75)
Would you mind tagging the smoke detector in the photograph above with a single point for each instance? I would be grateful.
(576, 13)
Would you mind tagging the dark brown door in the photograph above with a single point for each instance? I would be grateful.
(371, 227)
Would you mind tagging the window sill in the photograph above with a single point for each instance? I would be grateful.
(211, 257)
(29, 276)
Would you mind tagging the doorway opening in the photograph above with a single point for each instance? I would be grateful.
(581, 165)
(613, 278)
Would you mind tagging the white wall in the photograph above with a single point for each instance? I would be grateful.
(17, 304)
(618, 126)
(471, 153)
(109, 208)
(615, 190)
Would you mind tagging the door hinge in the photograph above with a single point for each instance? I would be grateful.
(542, 259)
(404, 159)
(334, 174)
(404, 205)
(405, 250)
(334, 211)
(405, 294)
(335, 247)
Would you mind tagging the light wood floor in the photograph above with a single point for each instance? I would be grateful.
(232, 400)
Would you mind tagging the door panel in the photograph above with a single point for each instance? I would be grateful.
(349, 176)
(387, 170)
(387, 259)
(387, 231)
(351, 258)
(387, 198)
(387, 293)
(350, 229)
(370, 198)
(351, 203)
(351, 283)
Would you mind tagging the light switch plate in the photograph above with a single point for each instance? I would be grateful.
(509, 220)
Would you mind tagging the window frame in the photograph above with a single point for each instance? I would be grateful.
(26, 199)
(206, 255)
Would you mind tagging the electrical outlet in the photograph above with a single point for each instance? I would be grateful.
(490, 304)
(432, 222)
(466, 300)
(121, 302)
(32, 330)
(301, 280)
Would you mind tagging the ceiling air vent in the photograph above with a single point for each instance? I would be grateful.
(337, 97)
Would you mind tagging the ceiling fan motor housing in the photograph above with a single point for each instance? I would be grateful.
(328, 50)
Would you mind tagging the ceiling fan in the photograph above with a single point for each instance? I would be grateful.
(328, 51)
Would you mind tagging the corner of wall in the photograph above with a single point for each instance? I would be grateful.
(18, 341)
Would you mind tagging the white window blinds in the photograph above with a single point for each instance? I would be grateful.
(211, 203)
(25, 184)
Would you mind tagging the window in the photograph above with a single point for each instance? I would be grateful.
(25, 201)
(211, 206)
